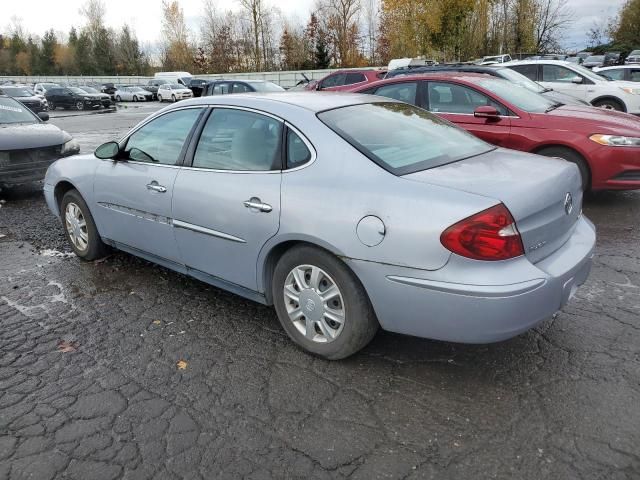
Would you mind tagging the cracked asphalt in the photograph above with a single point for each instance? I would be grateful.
(90, 386)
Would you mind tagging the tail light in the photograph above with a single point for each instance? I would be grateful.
(488, 235)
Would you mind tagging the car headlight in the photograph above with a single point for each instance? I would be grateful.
(70, 148)
(631, 90)
(616, 140)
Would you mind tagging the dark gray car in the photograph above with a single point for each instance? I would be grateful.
(28, 145)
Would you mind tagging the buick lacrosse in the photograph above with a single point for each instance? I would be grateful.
(345, 212)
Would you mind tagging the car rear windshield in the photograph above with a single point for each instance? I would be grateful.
(402, 138)
(12, 111)
(267, 87)
(15, 92)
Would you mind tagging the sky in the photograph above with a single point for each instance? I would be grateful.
(145, 15)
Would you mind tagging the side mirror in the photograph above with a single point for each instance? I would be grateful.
(107, 151)
(576, 80)
(488, 112)
(44, 116)
(318, 87)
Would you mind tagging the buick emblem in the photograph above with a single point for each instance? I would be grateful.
(568, 204)
(310, 306)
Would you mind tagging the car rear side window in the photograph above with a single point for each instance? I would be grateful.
(161, 140)
(239, 140)
(405, 92)
(635, 75)
(334, 80)
(352, 78)
(241, 88)
(614, 74)
(297, 152)
(402, 138)
(529, 71)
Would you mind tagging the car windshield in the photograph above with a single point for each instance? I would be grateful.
(11, 112)
(186, 80)
(137, 89)
(174, 86)
(402, 138)
(519, 79)
(635, 53)
(594, 59)
(49, 85)
(16, 92)
(89, 89)
(521, 97)
(77, 90)
(585, 72)
(267, 87)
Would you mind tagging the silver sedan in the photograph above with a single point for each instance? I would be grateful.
(346, 212)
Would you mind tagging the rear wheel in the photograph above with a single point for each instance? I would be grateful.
(173, 98)
(135, 99)
(573, 157)
(118, 99)
(79, 227)
(609, 104)
(160, 98)
(79, 105)
(321, 304)
(52, 106)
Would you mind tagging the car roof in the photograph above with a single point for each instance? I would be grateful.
(536, 62)
(312, 101)
(612, 67)
(445, 75)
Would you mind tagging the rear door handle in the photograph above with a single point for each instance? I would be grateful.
(155, 187)
(256, 204)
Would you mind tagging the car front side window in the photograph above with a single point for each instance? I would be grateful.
(239, 140)
(451, 98)
(161, 140)
(241, 88)
(221, 89)
(334, 81)
(558, 74)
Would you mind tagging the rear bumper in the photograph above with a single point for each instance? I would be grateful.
(616, 168)
(484, 308)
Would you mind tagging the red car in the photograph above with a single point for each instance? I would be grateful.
(346, 80)
(603, 143)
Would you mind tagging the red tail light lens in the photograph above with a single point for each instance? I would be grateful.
(488, 235)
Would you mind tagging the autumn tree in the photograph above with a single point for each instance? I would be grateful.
(254, 10)
(627, 30)
(177, 52)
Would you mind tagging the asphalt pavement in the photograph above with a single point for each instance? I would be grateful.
(123, 369)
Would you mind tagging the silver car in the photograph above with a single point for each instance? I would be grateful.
(346, 212)
(132, 94)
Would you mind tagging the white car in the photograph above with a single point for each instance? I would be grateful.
(41, 88)
(628, 73)
(492, 60)
(132, 94)
(581, 83)
(173, 92)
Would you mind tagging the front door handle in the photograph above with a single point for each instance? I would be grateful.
(153, 186)
(256, 204)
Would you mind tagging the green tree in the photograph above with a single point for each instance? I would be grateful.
(628, 28)
(84, 54)
(47, 60)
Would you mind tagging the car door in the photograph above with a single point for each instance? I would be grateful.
(227, 204)
(560, 78)
(133, 193)
(457, 103)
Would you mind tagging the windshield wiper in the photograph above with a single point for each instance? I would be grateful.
(553, 107)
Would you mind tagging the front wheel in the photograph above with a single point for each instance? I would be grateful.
(609, 104)
(79, 227)
(118, 99)
(52, 106)
(160, 98)
(135, 99)
(79, 105)
(321, 304)
(173, 98)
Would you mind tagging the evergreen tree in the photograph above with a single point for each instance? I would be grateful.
(321, 57)
(83, 54)
(47, 60)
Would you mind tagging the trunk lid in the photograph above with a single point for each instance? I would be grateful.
(544, 195)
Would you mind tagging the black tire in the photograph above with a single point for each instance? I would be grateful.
(118, 99)
(173, 98)
(79, 105)
(95, 248)
(52, 106)
(160, 98)
(573, 157)
(360, 322)
(609, 104)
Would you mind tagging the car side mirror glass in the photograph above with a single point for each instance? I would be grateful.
(107, 151)
(576, 80)
(486, 112)
(44, 116)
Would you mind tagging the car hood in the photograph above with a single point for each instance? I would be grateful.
(36, 135)
(32, 99)
(563, 98)
(596, 120)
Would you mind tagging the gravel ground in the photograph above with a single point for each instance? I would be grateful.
(91, 384)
